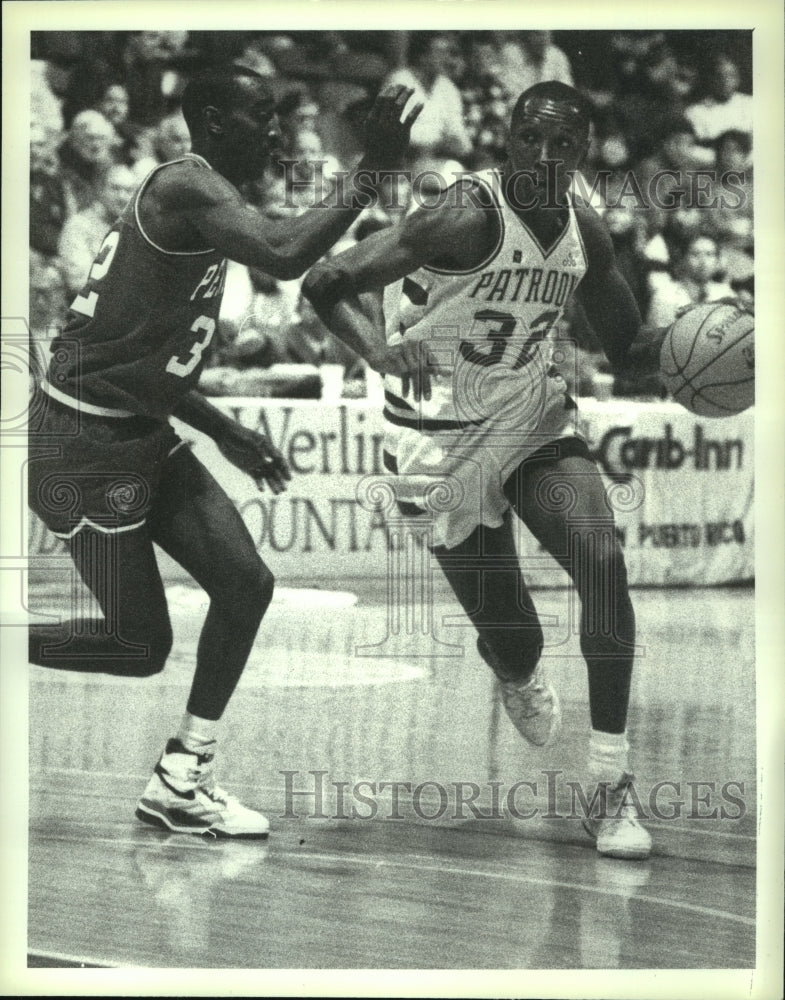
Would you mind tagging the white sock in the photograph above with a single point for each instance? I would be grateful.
(195, 734)
(608, 755)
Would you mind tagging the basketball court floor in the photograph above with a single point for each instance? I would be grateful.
(443, 876)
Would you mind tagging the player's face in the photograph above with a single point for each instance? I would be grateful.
(535, 142)
(253, 131)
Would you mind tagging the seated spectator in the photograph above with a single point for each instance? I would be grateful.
(311, 178)
(84, 232)
(486, 103)
(745, 292)
(173, 139)
(113, 103)
(169, 140)
(297, 112)
(695, 282)
(154, 64)
(732, 220)
(309, 342)
(85, 155)
(682, 224)
(47, 194)
(529, 57)
(255, 313)
(257, 55)
(48, 304)
(45, 106)
(724, 107)
(439, 134)
(628, 232)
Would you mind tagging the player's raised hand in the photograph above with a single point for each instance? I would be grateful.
(415, 364)
(386, 133)
(253, 453)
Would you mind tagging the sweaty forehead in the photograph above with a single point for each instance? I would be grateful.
(557, 112)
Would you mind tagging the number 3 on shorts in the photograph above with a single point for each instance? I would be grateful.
(176, 366)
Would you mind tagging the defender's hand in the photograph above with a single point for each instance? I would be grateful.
(253, 453)
(386, 136)
(413, 362)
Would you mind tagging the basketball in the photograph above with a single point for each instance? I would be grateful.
(707, 360)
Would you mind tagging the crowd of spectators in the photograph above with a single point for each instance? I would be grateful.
(670, 164)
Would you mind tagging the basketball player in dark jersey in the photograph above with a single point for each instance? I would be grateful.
(107, 472)
(489, 413)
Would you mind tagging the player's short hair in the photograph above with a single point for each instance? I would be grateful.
(555, 90)
(218, 86)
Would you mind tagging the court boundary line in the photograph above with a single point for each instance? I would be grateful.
(508, 876)
(76, 962)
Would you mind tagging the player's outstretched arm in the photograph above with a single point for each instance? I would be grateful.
(286, 248)
(250, 451)
(337, 287)
(610, 306)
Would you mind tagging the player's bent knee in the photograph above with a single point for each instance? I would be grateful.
(250, 591)
(154, 646)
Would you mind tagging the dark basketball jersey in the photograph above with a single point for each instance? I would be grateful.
(137, 331)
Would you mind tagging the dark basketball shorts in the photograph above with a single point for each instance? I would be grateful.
(96, 471)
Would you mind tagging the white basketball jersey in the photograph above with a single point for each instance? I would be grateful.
(490, 326)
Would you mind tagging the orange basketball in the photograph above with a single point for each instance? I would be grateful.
(707, 360)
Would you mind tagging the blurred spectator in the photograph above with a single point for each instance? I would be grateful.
(723, 108)
(486, 102)
(48, 298)
(172, 138)
(627, 228)
(311, 178)
(85, 155)
(439, 134)
(664, 176)
(695, 283)
(45, 106)
(169, 140)
(84, 232)
(652, 108)
(155, 69)
(745, 292)
(113, 103)
(309, 342)
(732, 219)
(47, 194)
(529, 57)
(254, 316)
(257, 55)
(682, 224)
(297, 112)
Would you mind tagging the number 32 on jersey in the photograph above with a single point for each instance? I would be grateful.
(85, 304)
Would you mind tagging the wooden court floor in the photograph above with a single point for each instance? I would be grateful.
(340, 691)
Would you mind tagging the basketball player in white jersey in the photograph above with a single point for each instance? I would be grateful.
(480, 424)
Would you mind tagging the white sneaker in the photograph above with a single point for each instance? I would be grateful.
(182, 796)
(533, 708)
(616, 829)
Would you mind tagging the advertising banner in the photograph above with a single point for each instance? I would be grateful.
(681, 488)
